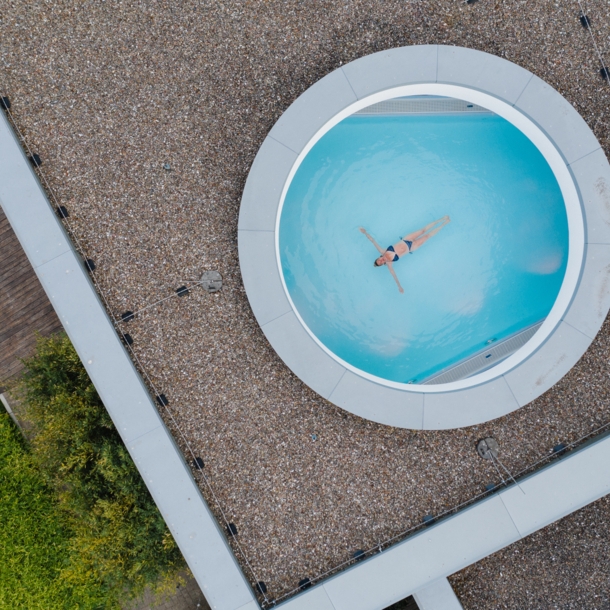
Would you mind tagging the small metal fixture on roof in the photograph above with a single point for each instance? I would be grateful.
(128, 339)
(488, 448)
(162, 400)
(35, 160)
(605, 73)
(127, 316)
(585, 21)
(490, 487)
(182, 291)
(305, 583)
(314, 437)
(359, 555)
(211, 281)
(261, 587)
(89, 264)
(62, 211)
(198, 463)
(232, 529)
(559, 448)
(5, 103)
(167, 167)
(428, 520)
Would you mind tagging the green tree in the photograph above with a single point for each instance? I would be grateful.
(120, 540)
(34, 541)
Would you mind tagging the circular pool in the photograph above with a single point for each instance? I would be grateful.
(493, 307)
(490, 278)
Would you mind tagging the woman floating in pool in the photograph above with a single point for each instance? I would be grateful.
(408, 244)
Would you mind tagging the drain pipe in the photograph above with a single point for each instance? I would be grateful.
(4, 401)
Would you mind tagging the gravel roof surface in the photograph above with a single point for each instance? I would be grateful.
(107, 92)
(563, 566)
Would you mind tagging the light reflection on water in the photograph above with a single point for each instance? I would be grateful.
(496, 268)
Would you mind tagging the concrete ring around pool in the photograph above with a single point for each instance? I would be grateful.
(582, 172)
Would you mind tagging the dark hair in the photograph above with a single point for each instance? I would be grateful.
(375, 263)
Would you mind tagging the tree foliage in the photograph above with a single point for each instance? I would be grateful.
(34, 541)
(119, 540)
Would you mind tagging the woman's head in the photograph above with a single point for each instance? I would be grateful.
(380, 261)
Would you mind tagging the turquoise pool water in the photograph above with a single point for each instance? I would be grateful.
(495, 269)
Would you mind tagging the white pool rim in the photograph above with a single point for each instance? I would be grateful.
(582, 172)
(576, 235)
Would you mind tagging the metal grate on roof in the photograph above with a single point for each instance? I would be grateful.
(485, 359)
(427, 104)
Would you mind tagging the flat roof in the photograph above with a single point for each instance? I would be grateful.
(242, 433)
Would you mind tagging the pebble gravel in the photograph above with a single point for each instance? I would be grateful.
(565, 566)
(147, 116)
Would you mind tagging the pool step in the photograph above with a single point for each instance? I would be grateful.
(424, 104)
(478, 363)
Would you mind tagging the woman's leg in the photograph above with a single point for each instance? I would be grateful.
(416, 234)
(420, 241)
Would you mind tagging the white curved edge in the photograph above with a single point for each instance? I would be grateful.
(470, 535)
(568, 190)
(61, 272)
(585, 182)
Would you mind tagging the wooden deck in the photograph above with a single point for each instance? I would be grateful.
(24, 307)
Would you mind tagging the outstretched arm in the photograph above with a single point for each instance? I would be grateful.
(381, 250)
(391, 269)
